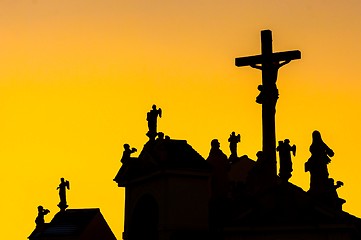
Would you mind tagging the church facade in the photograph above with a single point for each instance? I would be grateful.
(171, 192)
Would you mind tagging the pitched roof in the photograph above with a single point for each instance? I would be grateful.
(70, 223)
(162, 154)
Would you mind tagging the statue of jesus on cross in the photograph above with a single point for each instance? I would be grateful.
(269, 63)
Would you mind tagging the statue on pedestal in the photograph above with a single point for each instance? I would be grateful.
(233, 141)
(317, 164)
(284, 149)
(152, 116)
(64, 184)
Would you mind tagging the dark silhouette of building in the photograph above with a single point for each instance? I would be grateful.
(75, 224)
(167, 191)
(171, 192)
(170, 195)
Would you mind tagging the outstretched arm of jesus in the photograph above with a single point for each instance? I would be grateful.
(283, 63)
(256, 66)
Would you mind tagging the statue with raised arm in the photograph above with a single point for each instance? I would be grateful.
(233, 141)
(126, 153)
(127, 162)
(317, 164)
(284, 150)
(64, 184)
(40, 218)
(330, 197)
(152, 116)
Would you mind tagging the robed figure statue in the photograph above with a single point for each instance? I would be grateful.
(233, 141)
(317, 164)
(64, 184)
(152, 116)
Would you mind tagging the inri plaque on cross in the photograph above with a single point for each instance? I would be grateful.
(269, 62)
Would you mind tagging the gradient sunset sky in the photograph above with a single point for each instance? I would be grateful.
(77, 78)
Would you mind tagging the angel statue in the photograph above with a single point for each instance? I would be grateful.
(284, 149)
(233, 140)
(64, 184)
(152, 116)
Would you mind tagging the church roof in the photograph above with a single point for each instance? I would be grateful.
(74, 223)
(287, 207)
(160, 155)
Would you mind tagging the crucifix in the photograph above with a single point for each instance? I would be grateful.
(269, 63)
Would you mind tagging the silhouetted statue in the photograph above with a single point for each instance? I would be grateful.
(269, 62)
(40, 218)
(284, 150)
(127, 162)
(219, 185)
(152, 116)
(233, 141)
(220, 166)
(333, 186)
(317, 164)
(62, 193)
(273, 71)
(331, 196)
(260, 165)
(126, 153)
(269, 93)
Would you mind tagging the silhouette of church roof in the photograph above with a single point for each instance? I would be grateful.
(281, 205)
(279, 208)
(162, 154)
(75, 224)
(287, 207)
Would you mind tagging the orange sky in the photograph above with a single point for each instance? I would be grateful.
(77, 78)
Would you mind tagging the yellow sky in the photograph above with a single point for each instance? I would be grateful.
(78, 76)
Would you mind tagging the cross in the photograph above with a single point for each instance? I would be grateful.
(269, 62)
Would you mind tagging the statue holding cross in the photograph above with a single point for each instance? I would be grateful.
(269, 63)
